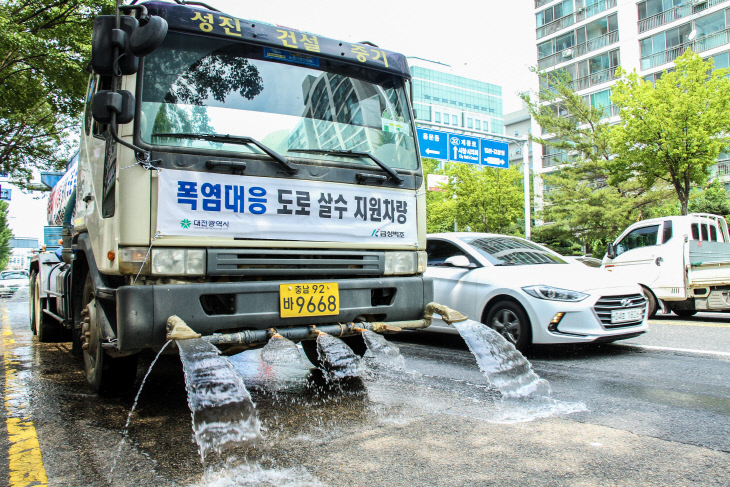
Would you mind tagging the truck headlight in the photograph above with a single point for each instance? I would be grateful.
(178, 262)
(162, 261)
(404, 263)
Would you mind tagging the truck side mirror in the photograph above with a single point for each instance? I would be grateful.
(105, 38)
(611, 251)
(134, 39)
(106, 102)
(148, 36)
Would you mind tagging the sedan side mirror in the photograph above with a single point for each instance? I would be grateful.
(611, 251)
(460, 261)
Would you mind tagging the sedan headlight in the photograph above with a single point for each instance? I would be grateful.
(404, 263)
(554, 293)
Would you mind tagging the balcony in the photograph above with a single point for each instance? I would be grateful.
(540, 3)
(555, 26)
(582, 14)
(594, 79)
(675, 13)
(563, 157)
(698, 45)
(721, 169)
(595, 9)
(578, 50)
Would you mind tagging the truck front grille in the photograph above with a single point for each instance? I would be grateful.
(606, 304)
(294, 263)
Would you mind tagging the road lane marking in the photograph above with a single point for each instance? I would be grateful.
(671, 349)
(688, 323)
(25, 461)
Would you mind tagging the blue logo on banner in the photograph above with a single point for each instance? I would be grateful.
(447, 146)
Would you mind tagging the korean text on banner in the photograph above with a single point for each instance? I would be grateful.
(222, 205)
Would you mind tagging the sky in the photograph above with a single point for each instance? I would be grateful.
(488, 40)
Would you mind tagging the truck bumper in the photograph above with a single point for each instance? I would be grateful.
(142, 311)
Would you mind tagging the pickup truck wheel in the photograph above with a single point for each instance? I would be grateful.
(651, 303)
(509, 320)
(684, 313)
(105, 374)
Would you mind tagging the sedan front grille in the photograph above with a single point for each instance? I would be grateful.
(606, 304)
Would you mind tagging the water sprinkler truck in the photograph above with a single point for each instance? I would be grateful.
(244, 177)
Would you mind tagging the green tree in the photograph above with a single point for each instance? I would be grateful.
(581, 208)
(5, 235)
(672, 130)
(480, 199)
(712, 199)
(44, 49)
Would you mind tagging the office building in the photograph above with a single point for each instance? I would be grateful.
(443, 98)
(589, 39)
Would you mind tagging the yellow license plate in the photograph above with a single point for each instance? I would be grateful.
(311, 299)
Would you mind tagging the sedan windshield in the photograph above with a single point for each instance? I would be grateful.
(503, 250)
(286, 100)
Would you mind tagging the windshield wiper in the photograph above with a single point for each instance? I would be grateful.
(234, 139)
(355, 153)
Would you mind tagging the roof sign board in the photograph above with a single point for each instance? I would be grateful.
(299, 46)
(446, 146)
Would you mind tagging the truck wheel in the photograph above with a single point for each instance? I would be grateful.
(510, 320)
(684, 313)
(651, 303)
(105, 374)
(46, 328)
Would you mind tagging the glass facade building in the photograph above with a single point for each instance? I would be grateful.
(455, 101)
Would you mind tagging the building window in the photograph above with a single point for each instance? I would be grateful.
(454, 120)
(446, 118)
(470, 123)
(486, 126)
(478, 124)
(437, 117)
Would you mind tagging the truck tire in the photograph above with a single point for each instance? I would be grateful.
(104, 374)
(46, 328)
(684, 313)
(651, 303)
(509, 320)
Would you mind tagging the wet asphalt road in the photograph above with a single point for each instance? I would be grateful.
(651, 411)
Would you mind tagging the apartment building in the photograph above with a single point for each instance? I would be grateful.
(589, 39)
(456, 102)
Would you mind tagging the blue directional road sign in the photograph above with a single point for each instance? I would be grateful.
(447, 146)
(433, 144)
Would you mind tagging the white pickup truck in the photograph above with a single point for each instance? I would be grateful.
(682, 262)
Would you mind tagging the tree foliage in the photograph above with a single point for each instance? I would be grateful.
(674, 129)
(5, 235)
(578, 198)
(44, 49)
(477, 199)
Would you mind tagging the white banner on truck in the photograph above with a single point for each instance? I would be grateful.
(200, 204)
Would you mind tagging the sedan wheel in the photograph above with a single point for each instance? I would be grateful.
(509, 320)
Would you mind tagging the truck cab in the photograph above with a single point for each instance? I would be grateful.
(243, 177)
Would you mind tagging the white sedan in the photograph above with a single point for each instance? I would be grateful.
(530, 294)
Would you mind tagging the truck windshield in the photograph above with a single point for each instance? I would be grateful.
(287, 100)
